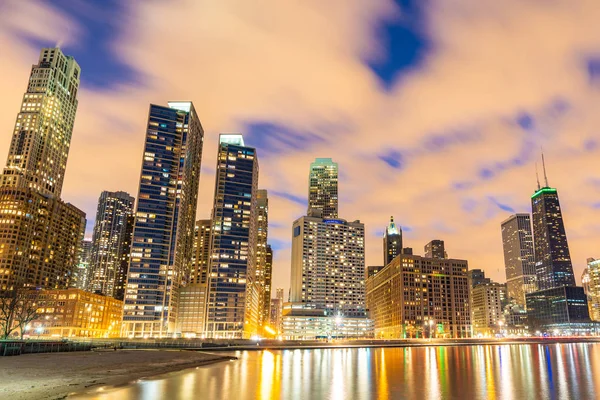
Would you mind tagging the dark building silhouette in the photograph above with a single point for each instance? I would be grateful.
(392, 242)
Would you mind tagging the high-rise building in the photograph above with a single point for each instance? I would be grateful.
(593, 288)
(192, 297)
(233, 292)
(435, 249)
(416, 296)
(328, 266)
(40, 235)
(123, 269)
(39, 148)
(82, 275)
(276, 311)
(392, 242)
(163, 232)
(517, 241)
(109, 241)
(263, 266)
(477, 277)
(487, 315)
(551, 251)
(323, 189)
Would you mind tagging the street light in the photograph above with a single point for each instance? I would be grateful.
(500, 323)
(430, 329)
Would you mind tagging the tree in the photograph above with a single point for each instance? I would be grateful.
(18, 307)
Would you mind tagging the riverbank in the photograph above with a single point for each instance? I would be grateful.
(54, 376)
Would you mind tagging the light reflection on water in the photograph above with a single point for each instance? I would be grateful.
(557, 371)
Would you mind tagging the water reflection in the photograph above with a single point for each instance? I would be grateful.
(475, 372)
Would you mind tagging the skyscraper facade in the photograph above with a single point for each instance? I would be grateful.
(517, 241)
(392, 242)
(263, 264)
(233, 292)
(39, 148)
(593, 288)
(551, 252)
(121, 278)
(163, 231)
(82, 275)
(328, 266)
(435, 249)
(323, 188)
(40, 235)
(487, 308)
(109, 241)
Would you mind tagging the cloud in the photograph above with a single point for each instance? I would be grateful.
(447, 146)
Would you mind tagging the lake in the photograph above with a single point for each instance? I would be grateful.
(528, 371)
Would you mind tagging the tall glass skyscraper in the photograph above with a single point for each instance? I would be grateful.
(263, 268)
(517, 241)
(392, 242)
(552, 257)
(323, 189)
(110, 241)
(163, 232)
(40, 235)
(233, 295)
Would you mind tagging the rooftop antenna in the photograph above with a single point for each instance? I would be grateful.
(544, 167)
(537, 176)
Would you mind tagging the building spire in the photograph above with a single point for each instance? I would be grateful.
(544, 167)
(537, 176)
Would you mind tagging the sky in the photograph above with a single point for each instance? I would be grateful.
(435, 110)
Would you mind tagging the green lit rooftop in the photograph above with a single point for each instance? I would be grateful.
(543, 190)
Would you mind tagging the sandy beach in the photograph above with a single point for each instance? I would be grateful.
(55, 375)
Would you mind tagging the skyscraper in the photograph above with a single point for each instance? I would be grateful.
(392, 242)
(263, 264)
(551, 252)
(40, 235)
(517, 241)
(323, 188)
(201, 253)
(121, 278)
(39, 148)
(163, 231)
(233, 292)
(593, 288)
(435, 249)
(82, 273)
(110, 242)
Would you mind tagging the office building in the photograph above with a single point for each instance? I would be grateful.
(110, 242)
(82, 273)
(392, 242)
(40, 235)
(416, 296)
(163, 231)
(435, 249)
(123, 266)
(551, 250)
(517, 241)
(593, 288)
(328, 266)
(323, 189)
(562, 309)
(487, 314)
(233, 292)
(264, 257)
(373, 269)
(477, 277)
(75, 313)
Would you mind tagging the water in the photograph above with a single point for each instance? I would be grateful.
(557, 371)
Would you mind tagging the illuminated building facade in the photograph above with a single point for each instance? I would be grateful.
(299, 323)
(110, 243)
(328, 266)
(82, 274)
(233, 292)
(517, 241)
(76, 313)
(593, 288)
(435, 249)
(163, 232)
(40, 235)
(563, 308)
(323, 188)
(487, 315)
(392, 242)
(264, 257)
(411, 291)
(551, 250)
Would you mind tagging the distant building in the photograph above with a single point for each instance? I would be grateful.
(412, 290)
(477, 277)
(487, 309)
(76, 313)
(593, 288)
(264, 258)
(163, 232)
(233, 292)
(323, 189)
(300, 323)
(562, 308)
(276, 311)
(373, 269)
(407, 250)
(110, 242)
(517, 241)
(435, 249)
(82, 274)
(123, 268)
(392, 242)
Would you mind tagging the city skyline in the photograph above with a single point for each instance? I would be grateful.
(463, 202)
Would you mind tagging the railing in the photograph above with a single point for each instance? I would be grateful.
(18, 347)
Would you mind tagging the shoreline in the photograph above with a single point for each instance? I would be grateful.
(60, 375)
